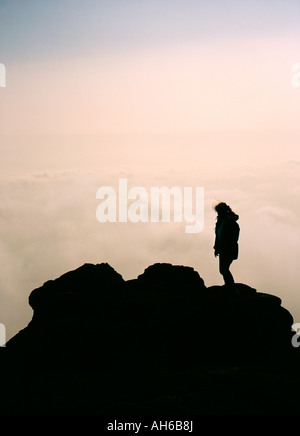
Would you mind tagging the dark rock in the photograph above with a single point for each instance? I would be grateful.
(157, 344)
(94, 280)
(172, 277)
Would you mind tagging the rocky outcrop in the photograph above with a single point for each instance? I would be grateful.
(98, 343)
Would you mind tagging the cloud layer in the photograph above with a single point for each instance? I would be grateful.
(49, 226)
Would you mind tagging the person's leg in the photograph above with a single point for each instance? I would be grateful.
(224, 264)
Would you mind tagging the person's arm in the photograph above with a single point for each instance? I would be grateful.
(216, 250)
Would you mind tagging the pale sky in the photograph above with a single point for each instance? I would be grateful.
(188, 93)
(95, 67)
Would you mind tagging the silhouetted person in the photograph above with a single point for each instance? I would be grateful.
(226, 242)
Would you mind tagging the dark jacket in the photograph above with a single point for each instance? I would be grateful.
(227, 235)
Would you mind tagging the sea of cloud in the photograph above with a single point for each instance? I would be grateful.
(48, 217)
